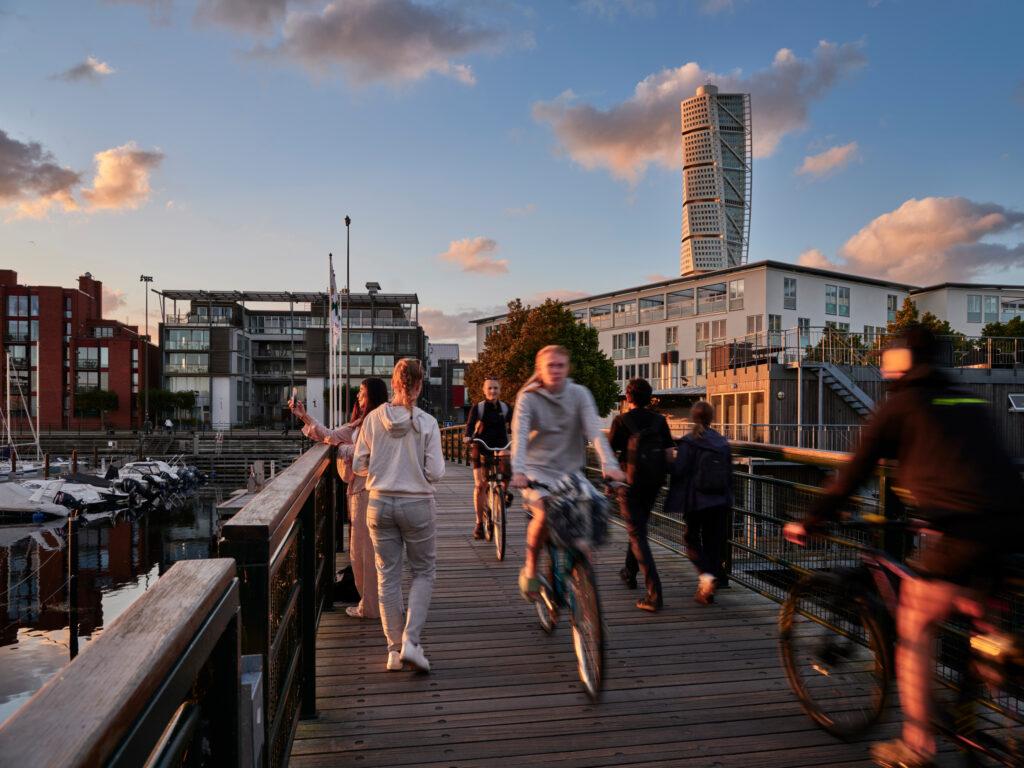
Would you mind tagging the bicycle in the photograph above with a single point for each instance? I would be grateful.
(570, 583)
(494, 526)
(837, 635)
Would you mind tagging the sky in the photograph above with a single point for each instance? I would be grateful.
(493, 149)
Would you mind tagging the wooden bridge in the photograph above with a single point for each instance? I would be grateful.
(690, 686)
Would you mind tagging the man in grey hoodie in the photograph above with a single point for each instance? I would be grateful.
(553, 419)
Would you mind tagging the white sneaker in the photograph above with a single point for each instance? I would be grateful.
(394, 661)
(413, 654)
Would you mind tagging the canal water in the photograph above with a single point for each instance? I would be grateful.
(117, 562)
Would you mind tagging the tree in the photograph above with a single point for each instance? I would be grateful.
(185, 401)
(1012, 327)
(162, 401)
(509, 352)
(89, 402)
(909, 314)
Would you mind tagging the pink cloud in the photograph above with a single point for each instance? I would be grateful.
(475, 254)
(828, 162)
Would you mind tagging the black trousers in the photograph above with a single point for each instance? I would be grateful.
(636, 512)
(706, 537)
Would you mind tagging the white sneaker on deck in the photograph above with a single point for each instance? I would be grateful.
(394, 661)
(413, 654)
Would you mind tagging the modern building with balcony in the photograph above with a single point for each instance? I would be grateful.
(58, 345)
(242, 352)
(717, 164)
(446, 391)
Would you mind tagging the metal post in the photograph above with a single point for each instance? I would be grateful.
(307, 603)
(146, 280)
(291, 339)
(46, 466)
(821, 407)
(799, 403)
(74, 461)
(73, 583)
(347, 330)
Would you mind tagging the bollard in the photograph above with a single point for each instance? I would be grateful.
(95, 456)
(14, 462)
(46, 466)
(72, 546)
(74, 461)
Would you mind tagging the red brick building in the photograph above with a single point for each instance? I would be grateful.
(58, 344)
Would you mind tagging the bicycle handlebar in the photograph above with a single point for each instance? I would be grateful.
(505, 447)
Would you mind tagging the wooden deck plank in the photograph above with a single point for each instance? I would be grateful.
(691, 686)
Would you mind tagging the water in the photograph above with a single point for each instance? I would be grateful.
(117, 562)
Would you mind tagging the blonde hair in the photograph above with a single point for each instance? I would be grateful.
(702, 413)
(407, 376)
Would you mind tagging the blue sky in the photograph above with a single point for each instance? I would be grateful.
(220, 152)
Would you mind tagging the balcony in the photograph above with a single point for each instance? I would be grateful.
(186, 369)
(625, 318)
(187, 346)
(87, 365)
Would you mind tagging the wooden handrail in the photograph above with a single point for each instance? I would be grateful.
(85, 714)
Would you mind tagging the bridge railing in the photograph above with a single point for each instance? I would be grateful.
(453, 446)
(284, 541)
(160, 686)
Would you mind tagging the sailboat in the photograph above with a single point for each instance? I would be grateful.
(11, 448)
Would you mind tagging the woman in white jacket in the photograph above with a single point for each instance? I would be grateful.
(399, 452)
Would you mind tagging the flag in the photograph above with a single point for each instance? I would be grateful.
(335, 301)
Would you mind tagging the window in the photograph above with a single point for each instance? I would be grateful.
(601, 317)
(652, 308)
(699, 367)
(625, 312)
(755, 324)
(718, 329)
(103, 332)
(991, 309)
(843, 327)
(736, 290)
(869, 335)
(711, 298)
(680, 303)
(459, 376)
(644, 370)
(973, 308)
(684, 368)
(67, 306)
(831, 299)
(618, 372)
(803, 327)
(671, 338)
(644, 344)
(655, 370)
(34, 306)
(135, 357)
(775, 330)
(789, 293)
(580, 315)
(17, 330)
(844, 301)
(17, 306)
(891, 305)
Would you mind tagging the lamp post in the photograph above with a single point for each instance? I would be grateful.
(145, 280)
(347, 330)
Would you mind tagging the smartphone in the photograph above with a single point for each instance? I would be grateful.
(295, 392)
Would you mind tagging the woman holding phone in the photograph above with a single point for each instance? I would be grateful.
(373, 392)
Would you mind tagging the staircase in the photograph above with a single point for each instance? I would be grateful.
(839, 382)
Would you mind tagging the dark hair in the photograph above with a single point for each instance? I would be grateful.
(920, 341)
(702, 413)
(638, 392)
(376, 393)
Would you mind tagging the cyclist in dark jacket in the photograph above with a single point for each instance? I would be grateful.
(701, 488)
(489, 420)
(962, 486)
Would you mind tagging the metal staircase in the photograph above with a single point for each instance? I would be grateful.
(839, 382)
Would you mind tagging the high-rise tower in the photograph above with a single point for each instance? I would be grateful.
(716, 180)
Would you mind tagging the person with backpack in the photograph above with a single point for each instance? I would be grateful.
(643, 442)
(489, 420)
(398, 451)
(701, 488)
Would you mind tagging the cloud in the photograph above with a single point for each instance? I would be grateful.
(31, 181)
(113, 300)
(122, 177)
(626, 138)
(383, 40)
(255, 16)
(522, 210)
(475, 254)
(932, 240)
(815, 258)
(92, 70)
(828, 162)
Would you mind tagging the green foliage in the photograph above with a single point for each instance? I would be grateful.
(92, 402)
(510, 350)
(909, 314)
(1013, 327)
(161, 401)
(184, 401)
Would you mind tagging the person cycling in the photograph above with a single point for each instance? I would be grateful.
(554, 418)
(966, 493)
(488, 421)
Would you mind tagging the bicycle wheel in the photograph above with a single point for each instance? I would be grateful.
(498, 522)
(587, 630)
(836, 655)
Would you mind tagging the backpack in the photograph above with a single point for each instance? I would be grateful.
(645, 456)
(480, 409)
(712, 472)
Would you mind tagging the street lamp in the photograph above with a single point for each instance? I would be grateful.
(146, 280)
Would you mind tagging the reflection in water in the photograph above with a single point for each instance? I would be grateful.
(117, 562)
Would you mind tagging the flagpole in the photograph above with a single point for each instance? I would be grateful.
(348, 317)
(329, 317)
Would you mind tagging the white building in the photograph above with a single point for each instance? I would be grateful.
(969, 308)
(716, 180)
(659, 331)
(438, 352)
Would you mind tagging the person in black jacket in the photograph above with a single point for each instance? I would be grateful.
(963, 488)
(701, 488)
(649, 434)
(489, 420)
